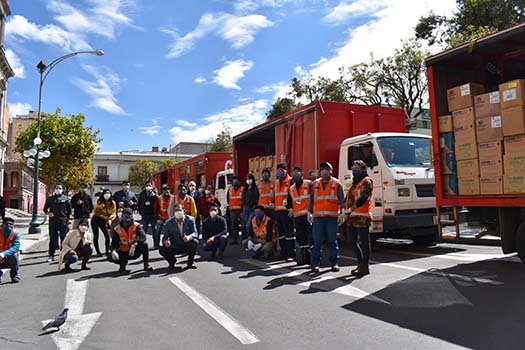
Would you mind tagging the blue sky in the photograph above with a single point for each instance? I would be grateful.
(177, 72)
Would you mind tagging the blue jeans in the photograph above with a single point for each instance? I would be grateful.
(156, 234)
(11, 263)
(147, 220)
(57, 228)
(325, 227)
(248, 216)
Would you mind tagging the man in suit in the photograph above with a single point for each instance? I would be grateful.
(179, 235)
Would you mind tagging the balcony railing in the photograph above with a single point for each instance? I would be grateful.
(102, 178)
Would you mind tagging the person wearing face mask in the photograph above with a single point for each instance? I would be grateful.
(284, 221)
(262, 238)
(161, 213)
(187, 202)
(196, 194)
(58, 209)
(76, 245)
(105, 213)
(125, 198)
(82, 205)
(215, 233)
(203, 205)
(326, 211)
(234, 198)
(9, 249)
(359, 211)
(128, 242)
(146, 204)
(179, 235)
(250, 198)
(299, 196)
(266, 193)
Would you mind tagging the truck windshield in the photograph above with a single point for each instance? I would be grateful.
(405, 151)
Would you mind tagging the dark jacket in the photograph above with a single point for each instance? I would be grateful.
(60, 206)
(147, 203)
(84, 209)
(214, 228)
(171, 230)
(128, 198)
(115, 238)
(250, 197)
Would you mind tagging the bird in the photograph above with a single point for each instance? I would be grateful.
(58, 321)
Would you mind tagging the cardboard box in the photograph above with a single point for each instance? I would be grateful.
(448, 162)
(463, 118)
(513, 120)
(514, 145)
(467, 168)
(513, 184)
(490, 150)
(446, 142)
(466, 150)
(491, 167)
(489, 129)
(465, 135)
(468, 186)
(512, 94)
(491, 185)
(514, 164)
(450, 185)
(446, 124)
(463, 96)
(487, 105)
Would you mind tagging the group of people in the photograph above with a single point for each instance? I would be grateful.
(290, 215)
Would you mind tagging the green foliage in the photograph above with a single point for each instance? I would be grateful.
(165, 164)
(142, 171)
(72, 146)
(318, 89)
(223, 141)
(280, 107)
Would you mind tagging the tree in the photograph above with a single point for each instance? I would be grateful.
(142, 171)
(361, 83)
(72, 146)
(165, 164)
(280, 107)
(223, 141)
(317, 89)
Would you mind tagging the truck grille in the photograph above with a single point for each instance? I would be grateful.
(425, 190)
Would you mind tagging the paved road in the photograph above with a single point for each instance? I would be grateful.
(445, 297)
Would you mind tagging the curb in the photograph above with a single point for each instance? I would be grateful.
(473, 241)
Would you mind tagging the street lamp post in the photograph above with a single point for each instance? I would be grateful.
(44, 70)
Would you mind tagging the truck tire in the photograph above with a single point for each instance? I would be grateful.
(424, 241)
(520, 241)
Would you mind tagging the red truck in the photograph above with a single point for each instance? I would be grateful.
(495, 63)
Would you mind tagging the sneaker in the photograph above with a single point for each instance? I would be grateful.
(192, 266)
(50, 259)
(335, 268)
(315, 268)
(15, 280)
(67, 269)
(363, 271)
(148, 268)
(84, 267)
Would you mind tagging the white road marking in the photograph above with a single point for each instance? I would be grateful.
(456, 256)
(244, 335)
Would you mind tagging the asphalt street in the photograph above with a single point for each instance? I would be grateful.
(445, 297)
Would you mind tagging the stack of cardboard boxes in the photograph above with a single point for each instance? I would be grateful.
(257, 164)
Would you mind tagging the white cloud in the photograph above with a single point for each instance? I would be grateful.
(102, 90)
(231, 73)
(239, 119)
(185, 123)
(300, 71)
(15, 64)
(279, 90)
(238, 30)
(150, 130)
(200, 79)
(349, 9)
(19, 108)
(249, 6)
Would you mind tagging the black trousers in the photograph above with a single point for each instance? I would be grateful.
(286, 234)
(303, 235)
(359, 238)
(83, 252)
(97, 224)
(124, 257)
(169, 253)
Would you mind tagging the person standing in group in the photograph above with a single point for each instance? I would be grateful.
(195, 194)
(161, 213)
(359, 211)
(299, 196)
(179, 235)
(283, 219)
(125, 198)
(187, 202)
(58, 209)
(234, 198)
(250, 199)
(2, 207)
(326, 206)
(266, 193)
(9, 249)
(146, 205)
(82, 205)
(215, 233)
(76, 245)
(105, 212)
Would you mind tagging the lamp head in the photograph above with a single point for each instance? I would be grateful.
(45, 153)
(41, 66)
(32, 152)
(37, 141)
(98, 52)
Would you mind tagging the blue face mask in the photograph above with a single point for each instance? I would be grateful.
(182, 193)
(282, 176)
(8, 230)
(265, 177)
(127, 219)
(259, 215)
(356, 172)
(296, 178)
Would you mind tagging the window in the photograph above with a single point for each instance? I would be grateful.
(102, 170)
(364, 152)
(222, 183)
(405, 151)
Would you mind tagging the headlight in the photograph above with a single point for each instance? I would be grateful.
(403, 192)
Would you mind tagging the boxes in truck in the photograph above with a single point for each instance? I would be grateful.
(491, 185)
(465, 134)
(487, 105)
(514, 164)
(448, 162)
(463, 96)
(469, 186)
(514, 145)
(512, 94)
(513, 184)
(466, 149)
(491, 167)
(467, 168)
(450, 185)
(490, 150)
(513, 120)
(446, 124)
(446, 142)
(489, 129)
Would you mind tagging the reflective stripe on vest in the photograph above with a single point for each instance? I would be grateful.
(366, 209)
(5, 244)
(301, 199)
(260, 230)
(265, 193)
(186, 203)
(126, 238)
(235, 198)
(281, 192)
(326, 202)
(164, 205)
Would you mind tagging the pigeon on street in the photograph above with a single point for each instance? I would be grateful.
(58, 321)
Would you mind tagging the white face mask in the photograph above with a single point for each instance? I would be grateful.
(179, 215)
(325, 173)
(58, 191)
(119, 215)
(149, 188)
(126, 188)
(82, 228)
(249, 181)
(107, 196)
(207, 192)
(192, 188)
(213, 213)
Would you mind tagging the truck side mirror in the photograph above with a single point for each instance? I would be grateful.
(373, 161)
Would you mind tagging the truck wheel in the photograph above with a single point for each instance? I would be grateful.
(424, 241)
(520, 241)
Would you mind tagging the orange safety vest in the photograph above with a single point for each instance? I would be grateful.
(5, 244)
(281, 192)
(260, 230)
(126, 238)
(186, 203)
(235, 198)
(266, 195)
(164, 205)
(366, 209)
(300, 197)
(326, 203)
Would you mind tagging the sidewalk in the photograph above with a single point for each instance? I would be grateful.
(468, 235)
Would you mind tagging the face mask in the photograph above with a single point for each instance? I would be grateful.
(213, 214)
(148, 188)
(82, 228)
(82, 189)
(107, 196)
(207, 192)
(179, 215)
(356, 172)
(119, 215)
(58, 191)
(281, 176)
(8, 230)
(296, 178)
(236, 184)
(325, 173)
(127, 219)
(125, 188)
(182, 193)
(265, 177)
(249, 181)
(259, 215)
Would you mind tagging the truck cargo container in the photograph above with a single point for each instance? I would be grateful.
(487, 70)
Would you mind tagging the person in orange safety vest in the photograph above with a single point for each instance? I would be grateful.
(298, 196)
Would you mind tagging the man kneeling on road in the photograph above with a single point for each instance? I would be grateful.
(215, 232)
(128, 242)
(262, 238)
(179, 235)
(9, 249)
(77, 244)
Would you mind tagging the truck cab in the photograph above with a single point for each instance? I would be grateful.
(403, 198)
(223, 181)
